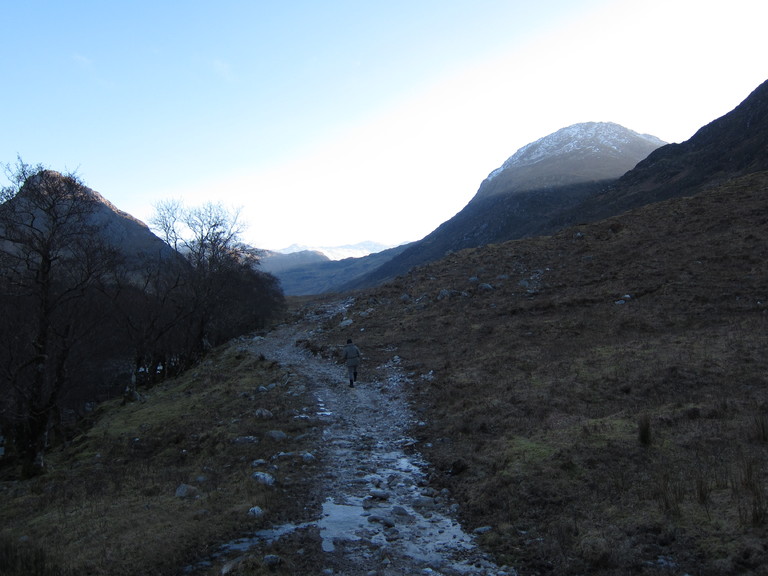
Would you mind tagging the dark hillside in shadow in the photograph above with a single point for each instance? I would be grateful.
(597, 397)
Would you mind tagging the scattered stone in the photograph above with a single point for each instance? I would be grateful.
(400, 511)
(259, 462)
(186, 491)
(264, 478)
(482, 530)
(272, 560)
(424, 502)
(245, 440)
(446, 293)
(429, 376)
(380, 494)
(263, 414)
(277, 435)
(383, 520)
(392, 534)
(485, 287)
(256, 512)
(345, 323)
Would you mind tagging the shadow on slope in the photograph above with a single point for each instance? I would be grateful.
(598, 397)
(730, 146)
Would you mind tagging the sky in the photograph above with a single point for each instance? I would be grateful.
(333, 122)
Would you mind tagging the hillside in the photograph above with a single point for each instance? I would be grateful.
(529, 193)
(592, 401)
(599, 396)
(727, 147)
(537, 197)
(306, 273)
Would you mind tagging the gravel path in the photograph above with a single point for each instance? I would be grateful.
(380, 517)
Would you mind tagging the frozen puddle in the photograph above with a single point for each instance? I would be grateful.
(340, 522)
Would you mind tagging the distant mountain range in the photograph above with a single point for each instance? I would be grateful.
(582, 173)
(358, 250)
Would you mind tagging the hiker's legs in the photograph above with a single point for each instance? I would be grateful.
(352, 375)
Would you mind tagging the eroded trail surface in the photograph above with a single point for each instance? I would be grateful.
(380, 516)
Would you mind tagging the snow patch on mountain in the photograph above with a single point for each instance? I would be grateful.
(358, 250)
(605, 138)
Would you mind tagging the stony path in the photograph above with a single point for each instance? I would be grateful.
(380, 517)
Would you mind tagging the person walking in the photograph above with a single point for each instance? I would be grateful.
(351, 355)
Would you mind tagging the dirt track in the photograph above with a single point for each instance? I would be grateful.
(379, 514)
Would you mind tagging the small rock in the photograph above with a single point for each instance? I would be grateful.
(264, 478)
(380, 494)
(424, 502)
(383, 520)
(256, 512)
(263, 414)
(272, 560)
(186, 491)
(277, 435)
(245, 440)
(482, 530)
(400, 511)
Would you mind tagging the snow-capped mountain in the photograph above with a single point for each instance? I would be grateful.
(604, 138)
(339, 252)
(531, 191)
(586, 152)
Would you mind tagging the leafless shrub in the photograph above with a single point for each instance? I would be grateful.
(749, 493)
(670, 493)
(759, 427)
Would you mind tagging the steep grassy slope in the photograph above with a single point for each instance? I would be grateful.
(597, 397)
(112, 503)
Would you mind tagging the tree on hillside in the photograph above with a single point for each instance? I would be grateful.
(155, 309)
(54, 268)
(229, 294)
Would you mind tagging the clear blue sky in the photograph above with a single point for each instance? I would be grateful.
(333, 122)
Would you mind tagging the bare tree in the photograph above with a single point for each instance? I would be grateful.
(53, 263)
(229, 295)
